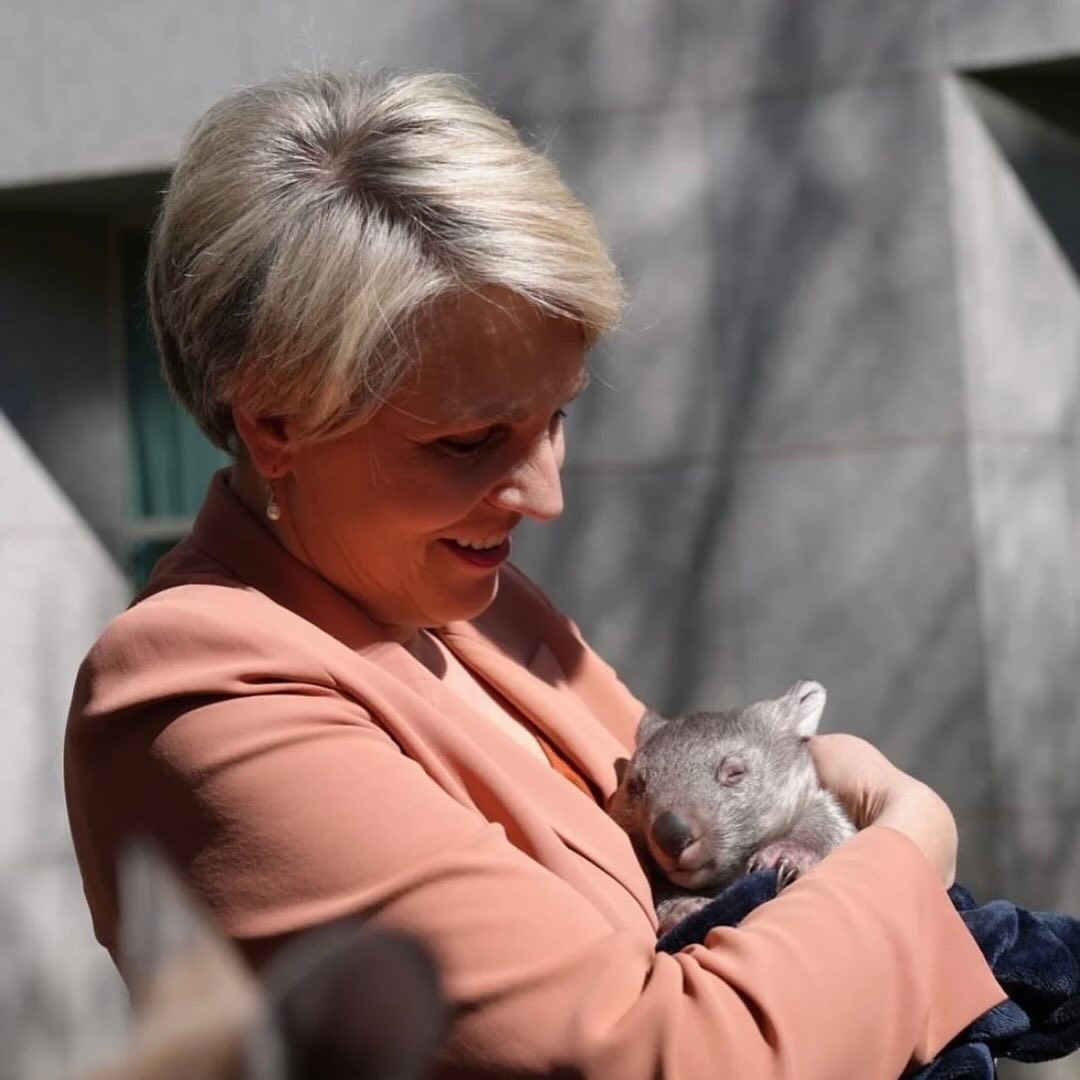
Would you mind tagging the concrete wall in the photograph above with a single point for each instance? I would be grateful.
(836, 437)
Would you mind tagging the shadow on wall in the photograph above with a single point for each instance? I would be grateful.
(646, 555)
(1031, 114)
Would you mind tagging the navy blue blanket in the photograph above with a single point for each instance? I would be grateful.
(1034, 955)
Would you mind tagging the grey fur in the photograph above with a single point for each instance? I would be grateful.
(740, 785)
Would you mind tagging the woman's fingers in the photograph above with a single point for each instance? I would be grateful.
(857, 773)
(874, 791)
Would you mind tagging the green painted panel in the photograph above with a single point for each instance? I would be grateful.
(171, 460)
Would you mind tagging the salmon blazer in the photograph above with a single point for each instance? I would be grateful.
(297, 766)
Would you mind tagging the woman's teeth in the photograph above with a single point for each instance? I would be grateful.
(481, 545)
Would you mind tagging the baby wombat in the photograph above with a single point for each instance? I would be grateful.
(710, 796)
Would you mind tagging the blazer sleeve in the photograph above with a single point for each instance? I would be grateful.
(285, 804)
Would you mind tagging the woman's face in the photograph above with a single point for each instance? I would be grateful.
(411, 513)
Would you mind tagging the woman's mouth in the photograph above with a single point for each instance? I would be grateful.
(487, 553)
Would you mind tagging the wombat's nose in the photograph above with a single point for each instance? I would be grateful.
(671, 834)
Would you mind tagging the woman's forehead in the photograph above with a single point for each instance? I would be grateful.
(487, 359)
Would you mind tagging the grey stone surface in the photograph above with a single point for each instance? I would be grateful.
(979, 33)
(61, 1001)
(113, 88)
(641, 560)
(1018, 301)
(59, 587)
(657, 389)
(1028, 596)
(833, 288)
(569, 56)
(1016, 263)
(777, 44)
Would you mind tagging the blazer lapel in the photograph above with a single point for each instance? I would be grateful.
(539, 688)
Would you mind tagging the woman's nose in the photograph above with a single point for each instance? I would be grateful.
(533, 488)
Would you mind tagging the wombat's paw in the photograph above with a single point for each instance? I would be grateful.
(671, 912)
(790, 861)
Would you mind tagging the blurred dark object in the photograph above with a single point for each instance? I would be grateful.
(339, 1001)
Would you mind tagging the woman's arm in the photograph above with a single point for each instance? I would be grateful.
(289, 806)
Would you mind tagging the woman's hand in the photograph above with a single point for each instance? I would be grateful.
(876, 792)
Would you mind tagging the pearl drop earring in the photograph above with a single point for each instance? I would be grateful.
(273, 511)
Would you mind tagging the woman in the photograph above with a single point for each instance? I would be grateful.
(337, 696)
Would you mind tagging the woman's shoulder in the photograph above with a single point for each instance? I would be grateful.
(193, 603)
(196, 629)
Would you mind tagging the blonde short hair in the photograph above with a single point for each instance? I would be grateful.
(311, 220)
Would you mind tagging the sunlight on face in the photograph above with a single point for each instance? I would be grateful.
(410, 514)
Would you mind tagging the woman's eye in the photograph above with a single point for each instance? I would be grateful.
(558, 417)
(463, 447)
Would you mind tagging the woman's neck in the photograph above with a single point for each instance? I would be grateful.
(254, 492)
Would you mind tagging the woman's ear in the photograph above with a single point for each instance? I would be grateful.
(269, 442)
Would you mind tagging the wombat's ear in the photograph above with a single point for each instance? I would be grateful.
(650, 724)
(807, 702)
(621, 765)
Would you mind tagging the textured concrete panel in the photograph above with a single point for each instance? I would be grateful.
(568, 55)
(58, 589)
(61, 1001)
(641, 561)
(1015, 263)
(780, 44)
(860, 572)
(979, 33)
(657, 391)
(86, 90)
(1029, 598)
(1018, 298)
(833, 285)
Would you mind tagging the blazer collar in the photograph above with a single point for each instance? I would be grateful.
(538, 687)
(540, 690)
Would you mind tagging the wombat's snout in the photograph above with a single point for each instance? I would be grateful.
(671, 834)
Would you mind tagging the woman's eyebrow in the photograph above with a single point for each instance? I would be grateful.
(500, 412)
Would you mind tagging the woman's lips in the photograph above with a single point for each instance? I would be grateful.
(486, 558)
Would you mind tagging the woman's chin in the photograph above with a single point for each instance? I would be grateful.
(463, 602)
